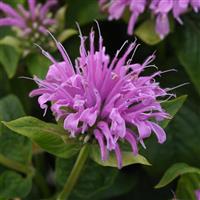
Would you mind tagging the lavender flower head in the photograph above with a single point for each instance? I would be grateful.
(197, 193)
(106, 100)
(159, 8)
(30, 23)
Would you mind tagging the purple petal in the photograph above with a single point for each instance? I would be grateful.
(179, 8)
(31, 4)
(132, 22)
(116, 9)
(23, 11)
(195, 4)
(197, 193)
(43, 30)
(71, 123)
(131, 139)
(45, 8)
(138, 6)
(49, 21)
(100, 140)
(43, 99)
(9, 10)
(162, 25)
(11, 22)
(118, 126)
(164, 6)
(154, 4)
(160, 133)
(118, 156)
(103, 126)
(144, 129)
(89, 116)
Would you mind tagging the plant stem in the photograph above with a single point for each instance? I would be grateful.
(28, 170)
(75, 173)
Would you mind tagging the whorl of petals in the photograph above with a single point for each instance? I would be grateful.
(29, 22)
(108, 100)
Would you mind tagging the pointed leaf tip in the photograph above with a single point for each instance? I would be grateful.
(127, 158)
(174, 171)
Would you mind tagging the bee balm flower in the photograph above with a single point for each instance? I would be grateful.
(30, 23)
(159, 8)
(116, 10)
(105, 100)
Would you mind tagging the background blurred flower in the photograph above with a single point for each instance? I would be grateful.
(159, 8)
(197, 194)
(105, 100)
(31, 24)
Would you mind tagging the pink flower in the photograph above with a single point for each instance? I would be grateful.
(197, 192)
(116, 10)
(159, 8)
(107, 100)
(31, 21)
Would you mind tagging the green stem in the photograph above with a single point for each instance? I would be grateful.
(28, 170)
(75, 173)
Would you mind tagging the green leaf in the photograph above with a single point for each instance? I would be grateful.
(9, 58)
(186, 42)
(37, 64)
(51, 137)
(11, 41)
(60, 17)
(5, 31)
(11, 108)
(13, 185)
(172, 107)
(98, 178)
(174, 171)
(187, 185)
(122, 184)
(182, 144)
(127, 158)
(4, 83)
(146, 32)
(14, 147)
(14, 3)
(65, 34)
(77, 12)
(22, 87)
(15, 152)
